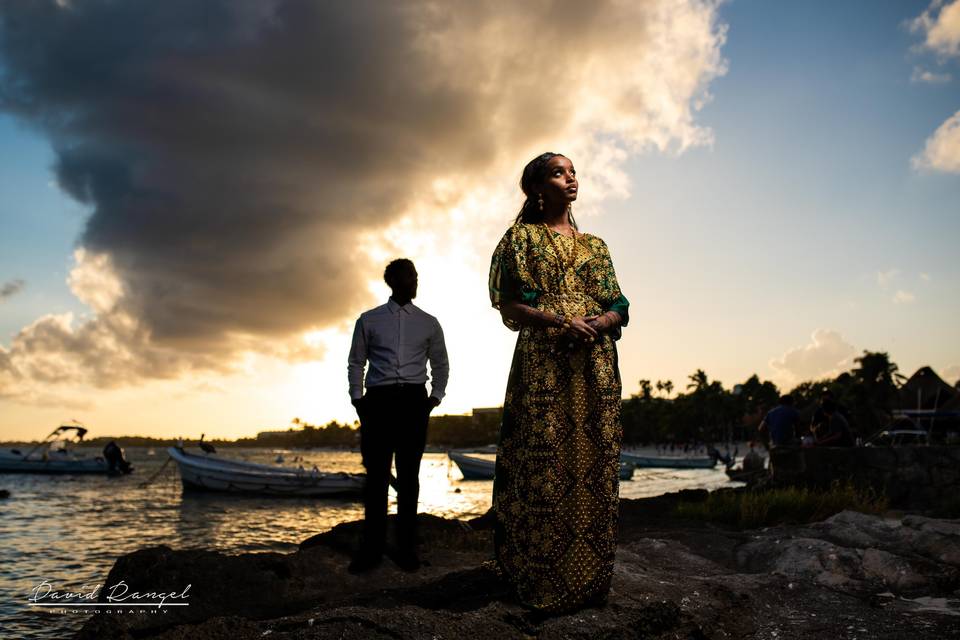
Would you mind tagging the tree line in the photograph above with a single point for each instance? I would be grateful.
(704, 411)
(707, 412)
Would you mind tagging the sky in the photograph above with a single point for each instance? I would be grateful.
(198, 199)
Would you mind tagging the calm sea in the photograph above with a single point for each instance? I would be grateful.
(68, 530)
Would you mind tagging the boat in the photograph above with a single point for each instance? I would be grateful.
(471, 467)
(212, 472)
(474, 468)
(749, 475)
(668, 462)
(55, 456)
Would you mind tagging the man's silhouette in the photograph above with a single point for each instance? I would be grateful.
(397, 339)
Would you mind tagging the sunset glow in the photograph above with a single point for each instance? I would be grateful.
(194, 260)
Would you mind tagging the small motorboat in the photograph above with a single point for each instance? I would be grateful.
(668, 462)
(54, 456)
(746, 475)
(212, 472)
(474, 468)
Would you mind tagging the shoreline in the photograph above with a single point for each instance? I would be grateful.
(854, 575)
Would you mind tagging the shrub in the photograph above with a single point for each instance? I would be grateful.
(788, 505)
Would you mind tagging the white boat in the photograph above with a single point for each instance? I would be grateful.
(474, 468)
(668, 462)
(54, 456)
(215, 473)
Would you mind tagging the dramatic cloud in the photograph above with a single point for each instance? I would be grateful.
(11, 288)
(236, 156)
(109, 350)
(828, 354)
(942, 150)
(940, 27)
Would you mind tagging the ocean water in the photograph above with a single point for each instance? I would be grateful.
(68, 530)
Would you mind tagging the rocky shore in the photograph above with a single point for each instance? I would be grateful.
(850, 576)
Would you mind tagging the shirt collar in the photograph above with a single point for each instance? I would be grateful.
(396, 308)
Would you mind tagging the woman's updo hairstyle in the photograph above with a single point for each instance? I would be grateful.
(535, 174)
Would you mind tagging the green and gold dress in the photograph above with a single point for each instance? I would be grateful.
(556, 489)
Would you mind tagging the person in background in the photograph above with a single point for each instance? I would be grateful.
(397, 339)
(780, 422)
(819, 421)
(753, 460)
(835, 431)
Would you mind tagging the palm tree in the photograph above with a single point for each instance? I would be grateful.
(698, 380)
(645, 390)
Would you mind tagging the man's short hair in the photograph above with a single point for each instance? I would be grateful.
(786, 399)
(395, 267)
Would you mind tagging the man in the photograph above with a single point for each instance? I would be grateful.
(835, 430)
(820, 421)
(780, 422)
(397, 339)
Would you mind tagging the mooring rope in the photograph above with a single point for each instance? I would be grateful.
(146, 482)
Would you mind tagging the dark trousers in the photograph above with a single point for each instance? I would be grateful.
(393, 420)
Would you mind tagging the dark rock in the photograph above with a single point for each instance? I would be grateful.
(672, 579)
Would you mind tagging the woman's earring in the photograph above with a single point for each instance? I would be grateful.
(540, 201)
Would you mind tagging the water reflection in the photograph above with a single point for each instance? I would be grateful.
(70, 529)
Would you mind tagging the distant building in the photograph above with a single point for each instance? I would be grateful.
(925, 390)
(930, 403)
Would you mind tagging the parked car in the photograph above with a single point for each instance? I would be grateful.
(899, 438)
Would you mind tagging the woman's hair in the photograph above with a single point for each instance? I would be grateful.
(534, 174)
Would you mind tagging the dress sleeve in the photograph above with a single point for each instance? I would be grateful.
(509, 278)
(603, 286)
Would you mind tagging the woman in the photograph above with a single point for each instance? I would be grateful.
(555, 494)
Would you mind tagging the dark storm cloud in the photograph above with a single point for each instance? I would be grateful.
(11, 288)
(232, 153)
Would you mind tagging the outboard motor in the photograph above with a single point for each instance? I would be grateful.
(116, 463)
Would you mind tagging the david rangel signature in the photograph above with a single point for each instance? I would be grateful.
(117, 593)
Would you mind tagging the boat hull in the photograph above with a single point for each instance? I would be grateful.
(656, 462)
(473, 468)
(10, 463)
(213, 473)
(480, 469)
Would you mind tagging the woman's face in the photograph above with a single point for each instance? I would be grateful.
(560, 185)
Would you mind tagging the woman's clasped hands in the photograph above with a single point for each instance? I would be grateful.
(580, 330)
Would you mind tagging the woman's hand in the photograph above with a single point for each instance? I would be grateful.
(603, 322)
(581, 330)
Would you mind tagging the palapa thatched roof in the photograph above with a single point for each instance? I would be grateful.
(928, 388)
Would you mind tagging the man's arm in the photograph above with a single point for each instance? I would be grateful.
(357, 360)
(439, 365)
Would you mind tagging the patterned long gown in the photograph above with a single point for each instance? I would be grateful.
(556, 489)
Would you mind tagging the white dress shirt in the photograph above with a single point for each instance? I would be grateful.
(397, 341)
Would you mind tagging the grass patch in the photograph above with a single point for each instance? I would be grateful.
(789, 505)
